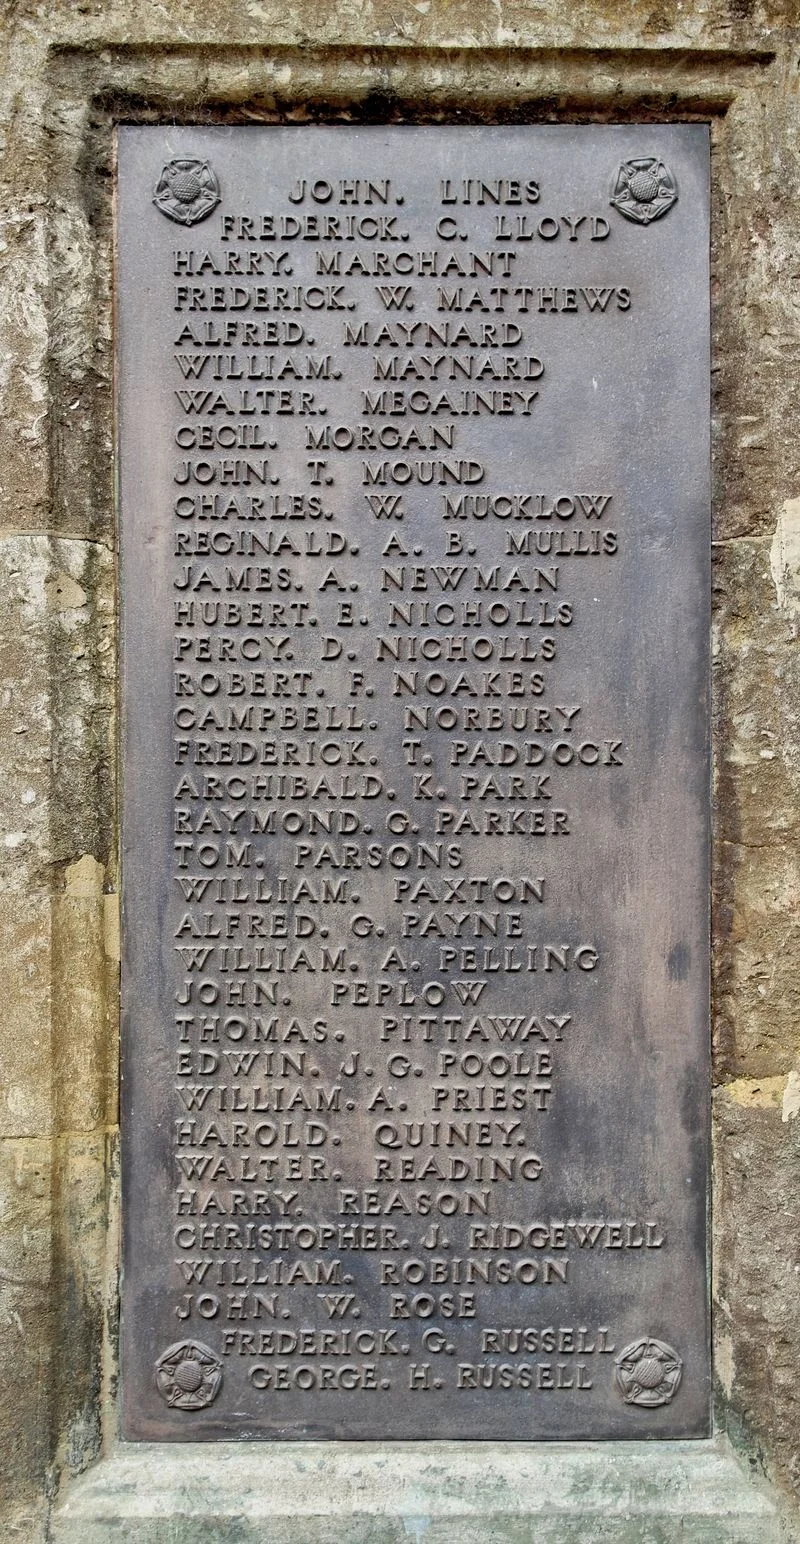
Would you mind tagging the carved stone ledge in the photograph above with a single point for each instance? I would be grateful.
(437, 1492)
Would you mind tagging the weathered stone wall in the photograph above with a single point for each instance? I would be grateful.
(69, 71)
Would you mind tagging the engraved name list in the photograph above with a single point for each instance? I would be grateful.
(413, 447)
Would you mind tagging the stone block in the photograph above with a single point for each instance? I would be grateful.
(84, 1052)
(757, 963)
(57, 663)
(26, 1321)
(757, 686)
(25, 1031)
(85, 1268)
(756, 1268)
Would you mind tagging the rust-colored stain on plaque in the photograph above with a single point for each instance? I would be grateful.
(414, 524)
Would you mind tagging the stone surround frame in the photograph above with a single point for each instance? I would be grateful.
(64, 1155)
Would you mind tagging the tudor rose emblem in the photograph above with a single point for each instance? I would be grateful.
(188, 1375)
(644, 190)
(648, 1372)
(187, 190)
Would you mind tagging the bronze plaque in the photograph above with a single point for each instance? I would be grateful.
(414, 463)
